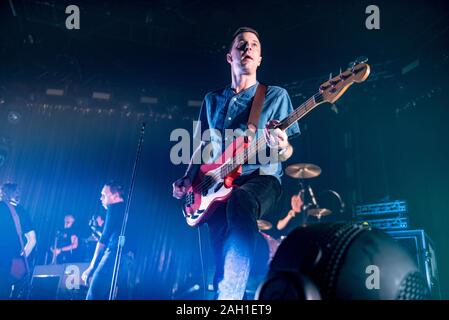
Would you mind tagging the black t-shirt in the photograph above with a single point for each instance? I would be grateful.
(113, 225)
(9, 240)
(65, 239)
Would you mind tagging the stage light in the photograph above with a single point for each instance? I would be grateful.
(101, 95)
(194, 103)
(54, 92)
(3, 156)
(342, 261)
(149, 100)
(14, 117)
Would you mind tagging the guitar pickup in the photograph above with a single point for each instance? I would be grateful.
(218, 187)
(189, 199)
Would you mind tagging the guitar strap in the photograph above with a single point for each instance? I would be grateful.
(16, 219)
(256, 107)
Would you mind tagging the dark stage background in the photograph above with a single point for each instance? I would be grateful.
(385, 139)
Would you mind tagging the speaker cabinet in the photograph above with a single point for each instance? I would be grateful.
(58, 282)
(421, 248)
(342, 261)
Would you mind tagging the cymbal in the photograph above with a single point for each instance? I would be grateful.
(264, 225)
(303, 170)
(321, 212)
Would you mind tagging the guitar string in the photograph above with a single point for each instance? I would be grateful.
(304, 107)
(230, 167)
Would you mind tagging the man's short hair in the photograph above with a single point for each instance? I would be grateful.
(9, 190)
(241, 30)
(116, 187)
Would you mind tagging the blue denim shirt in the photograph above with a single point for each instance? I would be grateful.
(224, 109)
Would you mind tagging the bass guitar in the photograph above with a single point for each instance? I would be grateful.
(214, 182)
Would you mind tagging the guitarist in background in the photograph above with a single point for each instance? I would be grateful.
(233, 226)
(17, 239)
(66, 248)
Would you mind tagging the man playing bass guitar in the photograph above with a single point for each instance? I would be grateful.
(233, 226)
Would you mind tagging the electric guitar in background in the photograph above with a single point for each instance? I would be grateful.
(214, 182)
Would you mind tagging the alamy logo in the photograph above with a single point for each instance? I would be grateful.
(373, 280)
(373, 20)
(72, 281)
(212, 144)
(73, 20)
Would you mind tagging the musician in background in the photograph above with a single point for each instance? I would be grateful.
(96, 225)
(17, 239)
(102, 264)
(66, 242)
(293, 217)
(233, 227)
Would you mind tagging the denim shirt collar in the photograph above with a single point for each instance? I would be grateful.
(245, 94)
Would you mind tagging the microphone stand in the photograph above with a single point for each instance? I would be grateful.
(121, 239)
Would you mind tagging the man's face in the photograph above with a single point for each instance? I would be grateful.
(107, 197)
(245, 55)
(13, 196)
(68, 221)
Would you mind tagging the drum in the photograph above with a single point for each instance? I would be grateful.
(273, 245)
(329, 204)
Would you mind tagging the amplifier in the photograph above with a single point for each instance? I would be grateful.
(397, 208)
(383, 215)
(59, 281)
(390, 224)
(421, 248)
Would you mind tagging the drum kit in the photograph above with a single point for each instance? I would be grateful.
(311, 205)
(303, 171)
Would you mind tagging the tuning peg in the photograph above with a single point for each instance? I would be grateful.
(340, 70)
(352, 64)
(330, 76)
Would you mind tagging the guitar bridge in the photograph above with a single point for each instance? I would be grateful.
(189, 199)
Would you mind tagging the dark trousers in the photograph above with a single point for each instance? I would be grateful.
(5, 282)
(102, 278)
(233, 231)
